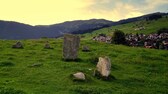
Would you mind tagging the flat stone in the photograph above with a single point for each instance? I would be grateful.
(36, 65)
(79, 76)
(17, 45)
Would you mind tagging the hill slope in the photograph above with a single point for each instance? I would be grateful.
(150, 27)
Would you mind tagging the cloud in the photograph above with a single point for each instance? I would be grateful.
(153, 5)
(112, 10)
(121, 9)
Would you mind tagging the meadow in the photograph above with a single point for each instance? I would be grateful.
(137, 70)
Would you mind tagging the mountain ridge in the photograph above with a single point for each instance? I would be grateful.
(16, 30)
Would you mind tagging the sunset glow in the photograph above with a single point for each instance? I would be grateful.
(44, 12)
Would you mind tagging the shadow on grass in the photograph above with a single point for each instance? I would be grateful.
(6, 64)
(72, 60)
(99, 76)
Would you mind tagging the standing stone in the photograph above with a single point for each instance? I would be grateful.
(104, 66)
(70, 47)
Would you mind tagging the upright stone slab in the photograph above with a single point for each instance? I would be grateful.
(104, 66)
(70, 47)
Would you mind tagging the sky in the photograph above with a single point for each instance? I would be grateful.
(45, 12)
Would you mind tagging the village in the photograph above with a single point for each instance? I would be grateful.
(157, 41)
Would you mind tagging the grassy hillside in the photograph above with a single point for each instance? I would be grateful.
(150, 27)
(137, 70)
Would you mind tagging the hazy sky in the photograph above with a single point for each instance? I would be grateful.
(43, 12)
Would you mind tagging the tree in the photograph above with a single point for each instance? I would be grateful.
(118, 37)
(154, 17)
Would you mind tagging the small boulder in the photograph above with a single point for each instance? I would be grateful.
(17, 45)
(79, 76)
(85, 49)
(103, 67)
(36, 65)
(47, 46)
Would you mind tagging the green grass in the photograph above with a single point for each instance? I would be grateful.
(137, 70)
(151, 27)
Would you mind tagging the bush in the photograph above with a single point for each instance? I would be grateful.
(118, 37)
(162, 30)
(154, 17)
